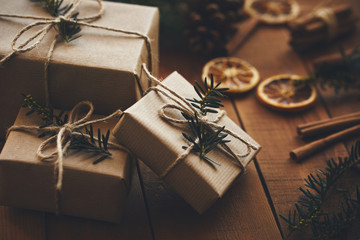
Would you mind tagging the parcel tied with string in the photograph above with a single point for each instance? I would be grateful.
(95, 191)
(159, 144)
(102, 66)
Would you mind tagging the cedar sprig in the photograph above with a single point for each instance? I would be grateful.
(207, 138)
(308, 210)
(54, 8)
(69, 31)
(46, 114)
(203, 137)
(98, 146)
(209, 97)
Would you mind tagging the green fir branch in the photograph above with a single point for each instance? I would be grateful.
(97, 146)
(209, 97)
(69, 31)
(46, 114)
(308, 210)
(203, 138)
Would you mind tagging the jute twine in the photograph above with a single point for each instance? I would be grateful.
(49, 22)
(63, 140)
(64, 133)
(185, 106)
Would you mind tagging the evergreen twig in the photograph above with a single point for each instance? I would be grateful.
(69, 31)
(203, 137)
(308, 210)
(89, 143)
(209, 97)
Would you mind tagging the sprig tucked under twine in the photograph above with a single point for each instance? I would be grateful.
(49, 23)
(185, 107)
(63, 140)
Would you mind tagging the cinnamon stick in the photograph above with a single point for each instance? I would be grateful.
(305, 42)
(341, 11)
(328, 127)
(305, 151)
(309, 30)
(314, 123)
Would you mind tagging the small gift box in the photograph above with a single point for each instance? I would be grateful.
(159, 144)
(102, 66)
(96, 191)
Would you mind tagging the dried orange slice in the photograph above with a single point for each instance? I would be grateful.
(286, 92)
(233, 73)
(272, 11)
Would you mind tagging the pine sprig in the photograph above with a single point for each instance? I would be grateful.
(308, 210)
(209, 97)
(46, 114)
(203, 138)
(69, 31)
(97, 146)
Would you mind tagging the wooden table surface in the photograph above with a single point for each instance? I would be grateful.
(251, 207)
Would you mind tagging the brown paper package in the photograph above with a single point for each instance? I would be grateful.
(98, 67)
(89, 191)
(158, 143)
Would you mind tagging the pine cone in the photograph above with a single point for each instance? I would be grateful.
(210, 24)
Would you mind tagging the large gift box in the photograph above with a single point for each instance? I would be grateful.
(96, 191)
(101, 66)
(159, 143)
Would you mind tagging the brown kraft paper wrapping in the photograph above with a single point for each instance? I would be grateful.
(158, 143)
(90, 191)
(98, 67)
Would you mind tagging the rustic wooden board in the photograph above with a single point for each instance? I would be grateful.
(269, 52)
(21, 224)
(237, 216)
(251, 207)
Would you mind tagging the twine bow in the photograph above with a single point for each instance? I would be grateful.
(49, 23)
(63, 140)
(184, 106)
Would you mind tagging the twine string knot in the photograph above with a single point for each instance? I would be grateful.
(184, 106)
(49, 22)
(63, 138)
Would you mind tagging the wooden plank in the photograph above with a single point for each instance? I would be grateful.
(21, 224)
(276, 132)
(134, 225)
(236, 216)
(341, 103)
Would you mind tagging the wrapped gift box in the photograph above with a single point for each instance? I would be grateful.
(99, 66)
(158, 144)
(96, 191)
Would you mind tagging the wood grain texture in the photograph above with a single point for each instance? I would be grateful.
(21, 224)
(269, 52)
(270, 182)
(237, 215)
